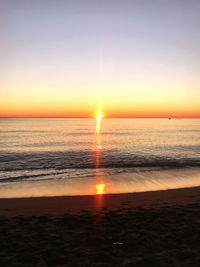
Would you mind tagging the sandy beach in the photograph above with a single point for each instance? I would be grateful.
(139, 229)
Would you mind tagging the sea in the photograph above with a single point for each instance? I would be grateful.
(62, 156)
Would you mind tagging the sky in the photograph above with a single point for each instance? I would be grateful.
(133, 58)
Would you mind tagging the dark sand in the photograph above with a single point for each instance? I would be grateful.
(140, 229)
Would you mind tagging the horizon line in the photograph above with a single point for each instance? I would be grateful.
(62, 117)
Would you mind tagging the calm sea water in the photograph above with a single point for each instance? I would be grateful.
(50, 156)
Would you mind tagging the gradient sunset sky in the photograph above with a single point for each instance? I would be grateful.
(135, 58)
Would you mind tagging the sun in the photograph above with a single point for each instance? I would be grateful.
(99, 116)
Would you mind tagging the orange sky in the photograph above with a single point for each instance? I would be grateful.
(146, 102)
(88, 112)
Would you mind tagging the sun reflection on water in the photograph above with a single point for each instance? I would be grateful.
(101, 186)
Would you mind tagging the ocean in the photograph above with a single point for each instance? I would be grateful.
(59, 156)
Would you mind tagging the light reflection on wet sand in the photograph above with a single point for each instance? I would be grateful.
(119, 183)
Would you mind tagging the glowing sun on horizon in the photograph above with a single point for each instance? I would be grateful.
(99, 116)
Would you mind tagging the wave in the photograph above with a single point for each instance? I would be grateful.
(87, 159)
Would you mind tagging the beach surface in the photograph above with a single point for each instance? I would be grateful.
(160, 228)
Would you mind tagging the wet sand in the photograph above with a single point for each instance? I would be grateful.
(139, 229)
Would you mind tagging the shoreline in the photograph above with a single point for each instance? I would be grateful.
(60, 205)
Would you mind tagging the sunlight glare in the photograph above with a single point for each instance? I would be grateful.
(99, 116)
